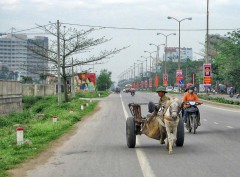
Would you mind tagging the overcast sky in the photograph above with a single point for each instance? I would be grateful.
(150, 14)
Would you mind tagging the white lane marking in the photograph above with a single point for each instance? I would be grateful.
(221, 108)
(143, 161)
(205, 120)
(216, 123)
(229, 127)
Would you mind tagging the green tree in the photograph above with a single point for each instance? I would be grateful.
(26, 79)
(42, 77)
(4, 72)
(104, 80)
(226, 64)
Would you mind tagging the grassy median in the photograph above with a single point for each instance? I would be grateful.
(39, 129)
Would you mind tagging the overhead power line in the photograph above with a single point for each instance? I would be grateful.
(119, 28)
(28, 29)
(149, 29)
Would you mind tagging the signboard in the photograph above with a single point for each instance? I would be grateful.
(207, 80)
(165, 79)
(207, 70)
(179, 77)
(207, 73)
(85, 81)
(156, 81)
(150, 82)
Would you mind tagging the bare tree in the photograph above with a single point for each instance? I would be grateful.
(72, 42)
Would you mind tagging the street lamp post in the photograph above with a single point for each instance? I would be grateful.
(150, 53)
(141, 62)
(179, 46)
(146, 61)
(166, 36)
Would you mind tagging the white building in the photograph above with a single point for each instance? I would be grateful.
(172, 54)
(14, 54)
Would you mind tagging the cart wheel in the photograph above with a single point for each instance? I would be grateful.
(130, 132)
(180, 133)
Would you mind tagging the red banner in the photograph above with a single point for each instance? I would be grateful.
(207, 80)
(150, 82)
(165, 79)
(156, 81)
(146, 84)
(133, 85)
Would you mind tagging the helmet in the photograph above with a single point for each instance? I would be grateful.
(161, 89)
(191, 87)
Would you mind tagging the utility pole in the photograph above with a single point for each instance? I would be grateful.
(73, 88)
(207, 38)
(134, 71)
(58, 57)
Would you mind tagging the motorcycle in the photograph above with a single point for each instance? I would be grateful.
(231, 94)
(192, 115)
(132, 92)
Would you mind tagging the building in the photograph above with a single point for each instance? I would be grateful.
(36, 56)
(172, 54)
(15, 53)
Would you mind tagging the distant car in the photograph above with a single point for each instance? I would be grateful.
(176, 89)
(124, 90)
(169, 88)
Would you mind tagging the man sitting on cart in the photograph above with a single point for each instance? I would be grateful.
(162, 102)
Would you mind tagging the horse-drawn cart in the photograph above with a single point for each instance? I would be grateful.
(136, 124)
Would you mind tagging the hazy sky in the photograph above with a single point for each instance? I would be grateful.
(150, 14)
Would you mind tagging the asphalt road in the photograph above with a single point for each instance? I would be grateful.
(98, 149)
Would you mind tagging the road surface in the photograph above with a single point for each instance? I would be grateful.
(98, 148)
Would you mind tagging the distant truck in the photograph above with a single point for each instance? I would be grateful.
(128, 88)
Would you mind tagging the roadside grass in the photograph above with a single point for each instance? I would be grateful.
(98, 94)
(218, 99)
(38, 131)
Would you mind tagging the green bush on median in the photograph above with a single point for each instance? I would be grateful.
(219, 99)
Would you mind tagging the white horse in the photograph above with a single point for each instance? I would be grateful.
(171, 119)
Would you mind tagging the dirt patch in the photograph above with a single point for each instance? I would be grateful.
(21, 169)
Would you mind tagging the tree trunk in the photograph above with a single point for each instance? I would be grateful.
(65, 89)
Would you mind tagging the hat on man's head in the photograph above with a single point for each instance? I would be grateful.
(161, 89)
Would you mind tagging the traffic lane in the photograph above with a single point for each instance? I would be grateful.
(210, 152)
(97, 149)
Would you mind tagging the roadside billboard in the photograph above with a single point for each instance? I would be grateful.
(85, 81)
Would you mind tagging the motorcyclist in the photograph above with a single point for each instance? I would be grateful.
(189, 96)
(132, 91)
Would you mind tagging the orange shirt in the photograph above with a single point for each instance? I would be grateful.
(190, 97)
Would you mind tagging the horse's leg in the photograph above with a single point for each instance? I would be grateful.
(169, 142)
